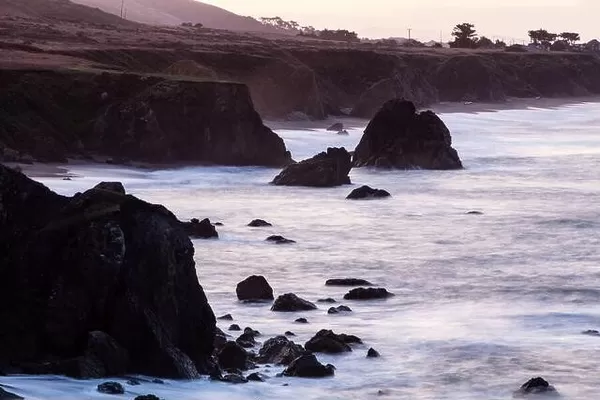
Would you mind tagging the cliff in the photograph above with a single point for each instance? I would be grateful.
(50, 115)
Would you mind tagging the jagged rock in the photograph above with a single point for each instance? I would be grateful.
(367, 294)
(348, 282)
(536, 386)
(328, 300)
(256, 377)
(340, 309)
(235, 327)
(5, 395)
(232, 356)
(277, 239)
(366, 192)
(372, 353)
(246, 340)
(259, 223)
(307, 366)
(325, 341)
(279, 350)
(338, 126)
(251, 332)
(399, 137)
(111, 388)
(226, 317)
(301, 321)
(326, 169)
(289, 302)
(147, 397)
(111, 263)
(219, 340)
(116, 187)
(197, 229)
(254, 288)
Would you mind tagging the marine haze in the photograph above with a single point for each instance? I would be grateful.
(510, 19)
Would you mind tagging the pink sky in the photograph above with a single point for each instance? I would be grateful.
(509, 19)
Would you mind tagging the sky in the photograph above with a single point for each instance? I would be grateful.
(430, 19)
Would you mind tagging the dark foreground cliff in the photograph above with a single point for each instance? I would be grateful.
(50, 115)
(100, 284)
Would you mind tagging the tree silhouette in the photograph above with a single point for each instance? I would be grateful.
(465, 36)
(570, 37)
(485, 43)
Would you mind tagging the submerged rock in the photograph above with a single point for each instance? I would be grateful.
(259, 223)
(256, 377)
(399, 137)
(289, 333)
(326, 341)
(279, 350)
(307, 366)
(372, 353)
(301, 321)
(328, 300)
(197, 229)
(366, 192)
(591, 332)
(340, 309)
(289, 302)
(367, 294)
(348, 282)
(536, 386)
(277, 239)
(338, 126)
(236, 379)
(112, 264)
(226, 317)
(327, 169)
(254, 288)
(111, 388)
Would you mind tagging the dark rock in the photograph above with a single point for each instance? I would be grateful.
(279, 350)
(232, 356)
(259, 223)
(234, 327)
(219, 340)
(366, 192)
(289, 302)
(103, 357)
(343, 132)
(256, 377)
(367, 294)
(254, 288)
(4, 395)
(218, 224)
(226, 317)
(200, 229)
(246, 340)
(474, 213)
(279, 240)
(337, 310)
(328, 300)
(111, 388)
(372, 353)
(67, 178)
(251, 332)
(338, 126)
(301, 321)
(348, 282)
(158, 381)
(133, 382)
(307, 366)
(236, 379)
(99, 261)
(536, 386)
(399, 137)
(325, 341)
(147, 397)
(115, 187)
(327, 169)
(591, 333)
(290, 333)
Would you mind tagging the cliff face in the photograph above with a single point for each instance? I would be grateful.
(52, 115)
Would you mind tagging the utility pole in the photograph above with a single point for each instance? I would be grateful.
(122, 5)
(409, 30)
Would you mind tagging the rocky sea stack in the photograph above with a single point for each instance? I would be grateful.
(327, 169)
(99, 284)
(399, 137)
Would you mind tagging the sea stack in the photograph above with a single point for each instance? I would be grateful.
(399, 137)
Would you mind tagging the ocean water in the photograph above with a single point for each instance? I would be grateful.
(483, 302)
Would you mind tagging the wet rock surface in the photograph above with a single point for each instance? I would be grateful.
(327, 169)
(254, 288)
(289, 302)
(367, 193)
(197, 229)
(536, 386)
(307, 366)
(368, 294)
(348, 282)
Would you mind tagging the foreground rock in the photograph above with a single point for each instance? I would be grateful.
(279, 350)
(326, 341)
(348, 282)
(233, 356)
(135, 117)
(536, 386)
(366, 192)
(399, 137)
(308, 366)
(367, 294)
(197, 229)
(327, 169)
(101, 279)
(289, 302)
(254, 288)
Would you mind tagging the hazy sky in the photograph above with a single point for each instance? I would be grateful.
(510, 19)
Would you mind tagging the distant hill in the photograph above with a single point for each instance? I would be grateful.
(176, 12)
(63, 10)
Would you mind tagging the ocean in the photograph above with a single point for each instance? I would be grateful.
(482, 302)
